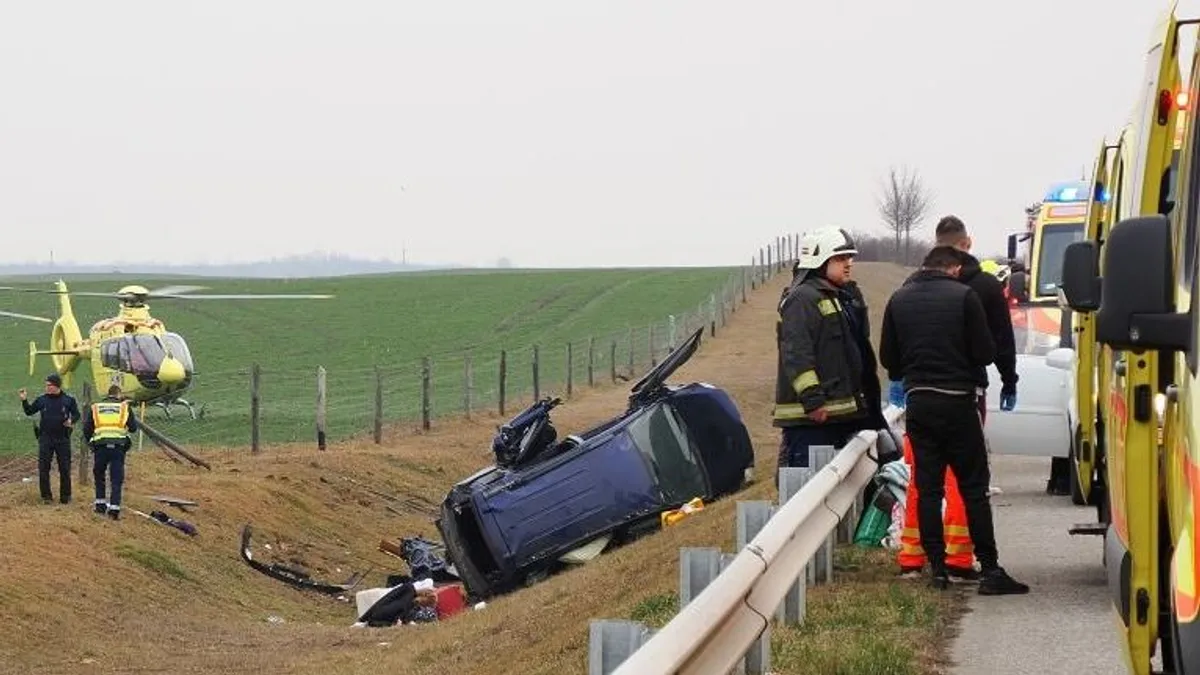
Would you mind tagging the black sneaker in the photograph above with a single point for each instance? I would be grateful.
(939, 579)
(115, 514)
(997, 582)
(101, 508)
(962, 575)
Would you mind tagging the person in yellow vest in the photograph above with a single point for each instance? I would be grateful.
(107, 430)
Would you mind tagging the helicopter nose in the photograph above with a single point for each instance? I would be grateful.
(171, 371)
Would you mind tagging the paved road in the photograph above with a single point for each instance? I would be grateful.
(1064, 624)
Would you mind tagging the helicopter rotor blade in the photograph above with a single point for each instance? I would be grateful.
(30, 317)
(172, 293)
(51, 291)
(242, 297)
(176, 290)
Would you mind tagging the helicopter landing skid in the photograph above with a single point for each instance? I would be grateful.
(166, 407)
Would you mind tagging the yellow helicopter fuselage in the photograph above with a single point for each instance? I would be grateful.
(132, 350)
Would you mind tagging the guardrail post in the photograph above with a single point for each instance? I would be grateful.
(698, 567)
(848, 524)
(751, 518)
(821, 570)
(792, 610)
(610, 642)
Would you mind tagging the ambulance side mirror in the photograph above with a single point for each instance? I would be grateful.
(1137, 305)
(1081, 277)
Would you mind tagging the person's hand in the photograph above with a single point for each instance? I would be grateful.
(21, 393)
(819, 415)
(68, 423)
(896, 393)
(1008, 397)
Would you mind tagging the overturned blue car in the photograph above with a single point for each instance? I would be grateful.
(550, 502)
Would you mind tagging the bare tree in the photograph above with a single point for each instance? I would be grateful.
(903, 204)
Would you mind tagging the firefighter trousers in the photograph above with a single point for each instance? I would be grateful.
(960, 552)
(947, 433)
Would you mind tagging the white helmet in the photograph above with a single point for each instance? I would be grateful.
(822, 244)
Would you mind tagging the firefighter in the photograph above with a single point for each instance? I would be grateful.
(935, 338)
(59, 413)
(825, 355)
(107, 430)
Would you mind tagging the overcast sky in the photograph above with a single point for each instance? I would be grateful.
(553, 133)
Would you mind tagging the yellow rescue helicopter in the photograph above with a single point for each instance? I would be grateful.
(132, 350)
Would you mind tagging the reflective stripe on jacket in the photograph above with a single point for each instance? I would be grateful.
(110, 419)
(820, 365)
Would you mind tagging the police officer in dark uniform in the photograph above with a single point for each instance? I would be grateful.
(59, 413)
(107, 430)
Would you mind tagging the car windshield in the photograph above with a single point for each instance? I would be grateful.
(1055, 239)
(660, 438)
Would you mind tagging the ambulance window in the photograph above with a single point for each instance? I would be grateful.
(1166, 187)
(1187, 272)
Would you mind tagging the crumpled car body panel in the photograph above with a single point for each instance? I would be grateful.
(507, 524)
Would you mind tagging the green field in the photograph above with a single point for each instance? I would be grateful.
(389, 322)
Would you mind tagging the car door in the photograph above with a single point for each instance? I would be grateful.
(553, 507)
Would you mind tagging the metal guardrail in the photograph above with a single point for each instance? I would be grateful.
(727, 601)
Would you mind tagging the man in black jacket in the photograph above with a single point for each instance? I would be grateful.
(59, 412)
(951, 231)
(936, 340)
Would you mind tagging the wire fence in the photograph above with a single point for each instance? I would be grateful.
(255, 407)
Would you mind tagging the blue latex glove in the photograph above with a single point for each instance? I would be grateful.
(896, 393)
(1008, 398)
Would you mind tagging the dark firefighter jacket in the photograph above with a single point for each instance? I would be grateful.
(820, 363)
(935, 334)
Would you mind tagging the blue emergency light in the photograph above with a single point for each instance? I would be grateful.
(1076, 191)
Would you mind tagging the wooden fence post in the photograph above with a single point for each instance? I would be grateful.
(570, 369)
(537, 386)
(631, 351)
(84, 448)
(592, 361)
(320, 407)
(653, 356)
(378, 406)
(468, 385)
(744, 274)
(255, 376)
(712, 314)
(426, 404)
(503, 377)
(612, 361)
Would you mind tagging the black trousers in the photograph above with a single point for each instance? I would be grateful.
(59, 449)
(946, 432)
(109, 460)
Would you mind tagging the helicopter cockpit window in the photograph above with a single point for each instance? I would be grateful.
(111, 355)
(179, 349)
(145, 353)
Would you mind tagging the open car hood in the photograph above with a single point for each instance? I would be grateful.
(653, 380)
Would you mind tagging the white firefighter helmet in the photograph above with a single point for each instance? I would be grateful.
(818, 246)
